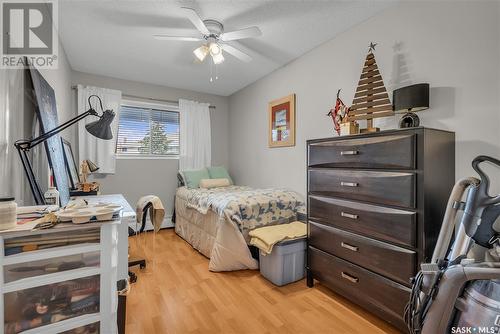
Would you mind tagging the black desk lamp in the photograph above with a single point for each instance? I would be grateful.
(100, 129)
(409, 100)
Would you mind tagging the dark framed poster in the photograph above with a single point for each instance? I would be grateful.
(46, 109)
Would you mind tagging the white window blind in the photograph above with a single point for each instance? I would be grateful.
(147, 132)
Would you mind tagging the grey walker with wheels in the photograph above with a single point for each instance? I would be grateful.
(459, 290)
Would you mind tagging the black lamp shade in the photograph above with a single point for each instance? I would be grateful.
(411, 98)
(102, 127)
(92, 166)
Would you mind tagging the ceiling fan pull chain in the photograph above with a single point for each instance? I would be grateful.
(211, 72)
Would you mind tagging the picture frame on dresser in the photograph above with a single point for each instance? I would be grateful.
(375, 206)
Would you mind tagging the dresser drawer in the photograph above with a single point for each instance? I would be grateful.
(392, 151)
(388, 224)
(372, 291)
(391, 188)
(391, 261)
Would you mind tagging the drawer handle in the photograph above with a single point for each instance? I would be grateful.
(348, 184)
(349, 277)
(349, 247)
(348, 215)
(349, 152)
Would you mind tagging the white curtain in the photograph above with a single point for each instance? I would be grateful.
(13, 182)
(101, 152)
(195, 135)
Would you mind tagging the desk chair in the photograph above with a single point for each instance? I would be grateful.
(138, 262)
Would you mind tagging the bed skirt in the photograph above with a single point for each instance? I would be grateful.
(215, 237)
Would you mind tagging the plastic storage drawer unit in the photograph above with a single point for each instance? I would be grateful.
(286, 263)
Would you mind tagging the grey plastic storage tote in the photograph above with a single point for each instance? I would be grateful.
(286, 263)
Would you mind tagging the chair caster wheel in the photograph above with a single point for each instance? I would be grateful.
(133, 277)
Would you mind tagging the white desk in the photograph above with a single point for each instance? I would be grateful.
(128, 218)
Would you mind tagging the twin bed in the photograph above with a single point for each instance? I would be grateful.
(217, 221)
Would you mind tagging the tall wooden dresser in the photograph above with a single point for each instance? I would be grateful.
(375, 206)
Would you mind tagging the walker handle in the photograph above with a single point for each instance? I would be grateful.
(484, 186)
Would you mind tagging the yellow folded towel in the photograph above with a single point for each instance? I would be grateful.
(266, 237)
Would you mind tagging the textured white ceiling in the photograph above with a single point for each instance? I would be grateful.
(114, 38)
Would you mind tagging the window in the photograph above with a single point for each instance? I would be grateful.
(145, 131)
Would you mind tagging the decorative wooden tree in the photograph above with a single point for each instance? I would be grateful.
(371, 99)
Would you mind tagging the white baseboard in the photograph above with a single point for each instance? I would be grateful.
(167, 223)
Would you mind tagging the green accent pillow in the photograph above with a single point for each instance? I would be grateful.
(192, 177)
(219, 173)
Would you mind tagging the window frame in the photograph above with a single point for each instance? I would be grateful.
(170, 107)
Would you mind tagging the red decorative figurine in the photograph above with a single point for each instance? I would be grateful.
(338, 113)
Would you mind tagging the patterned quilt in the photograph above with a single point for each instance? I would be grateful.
(248, 207)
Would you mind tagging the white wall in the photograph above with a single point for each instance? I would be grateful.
(453, 45)
(136, 178)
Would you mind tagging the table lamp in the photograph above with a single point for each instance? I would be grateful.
(87, 168)
(409, 100)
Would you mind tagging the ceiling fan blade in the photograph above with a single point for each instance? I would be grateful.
(193, 16)
(162, 37)
(237, 53)
(241, 34)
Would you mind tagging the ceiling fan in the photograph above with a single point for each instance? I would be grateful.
(213, 38)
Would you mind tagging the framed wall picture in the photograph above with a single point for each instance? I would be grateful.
(71, 167)
(282, 122)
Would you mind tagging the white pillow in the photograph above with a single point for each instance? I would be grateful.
(214, 183)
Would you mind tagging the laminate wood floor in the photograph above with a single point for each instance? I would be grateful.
(177, 294)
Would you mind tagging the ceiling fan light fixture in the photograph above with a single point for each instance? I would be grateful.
(201, 52)
(218, 58)
(215, 49)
